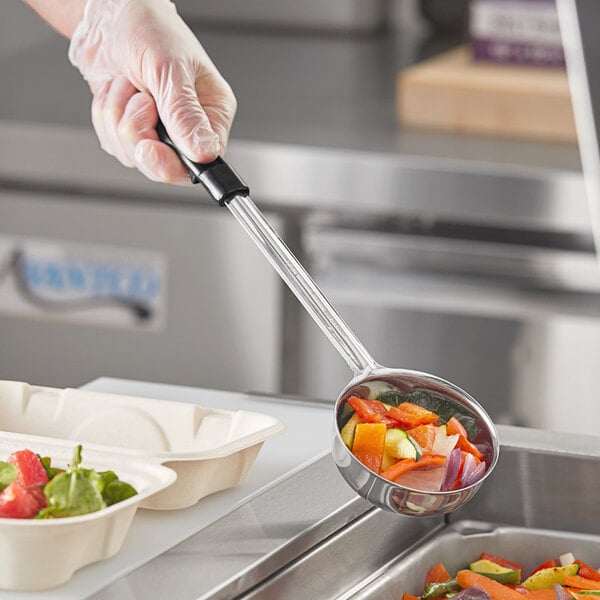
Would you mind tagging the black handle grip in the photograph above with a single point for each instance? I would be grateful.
(218, 178)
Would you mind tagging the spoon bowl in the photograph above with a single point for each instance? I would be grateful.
(432, 393)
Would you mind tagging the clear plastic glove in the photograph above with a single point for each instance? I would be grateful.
(141, 61)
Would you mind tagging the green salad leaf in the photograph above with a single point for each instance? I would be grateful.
(74, 492)
(8, 473)
(117, 491)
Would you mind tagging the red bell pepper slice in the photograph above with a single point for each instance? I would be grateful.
(587, 572)
(454, 426)
(464, 444)
(437, 574)
(553, 562)
(371, 411)
(411, 415)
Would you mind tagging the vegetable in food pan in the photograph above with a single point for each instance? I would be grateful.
(493, 577)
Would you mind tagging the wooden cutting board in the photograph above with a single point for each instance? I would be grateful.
(452, 92)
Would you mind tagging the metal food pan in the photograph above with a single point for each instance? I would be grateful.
(540, 502)
(461, 543)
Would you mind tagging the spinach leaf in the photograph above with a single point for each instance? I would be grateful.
(116, 491)
(113, 490)
(8, 473)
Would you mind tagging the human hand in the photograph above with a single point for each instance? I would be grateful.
(141, 62)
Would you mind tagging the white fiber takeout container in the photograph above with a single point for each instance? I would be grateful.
(38, 555)
(209, 449)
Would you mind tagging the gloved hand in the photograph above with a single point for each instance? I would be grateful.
(141, 61)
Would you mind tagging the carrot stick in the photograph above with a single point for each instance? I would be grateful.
(368, 445)
(582, 583)
(406, 596)
(408, 464)
(496, 590)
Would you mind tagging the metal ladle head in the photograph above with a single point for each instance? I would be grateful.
(227, 189)
(435, 394)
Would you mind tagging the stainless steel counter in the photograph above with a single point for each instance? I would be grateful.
(308, 536)
(315, 129)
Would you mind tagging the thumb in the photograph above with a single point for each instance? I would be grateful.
(184, 117)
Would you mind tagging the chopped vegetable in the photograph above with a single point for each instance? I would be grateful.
(495, 571)
(424, 435)
(499, 578)
(417, 440)
(578, 582)
(472, 593)
(587, 571)
(410, 415)
(348, 430)
(440, 589)
(369, 442)
(30, 468)
(399, 444)
(496, 590)
(17, 502)
(503, 562)
(437, 574)
(546, 578)
(408, 464)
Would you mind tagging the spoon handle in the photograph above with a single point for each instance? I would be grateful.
(227, 189)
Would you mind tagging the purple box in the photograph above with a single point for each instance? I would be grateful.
(516, 32)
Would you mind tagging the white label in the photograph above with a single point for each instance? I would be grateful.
(100, 285)
(531, 23)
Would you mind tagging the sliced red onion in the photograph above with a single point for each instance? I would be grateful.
(452, 466)
(560, 593)
(472, 593)
(473, 470)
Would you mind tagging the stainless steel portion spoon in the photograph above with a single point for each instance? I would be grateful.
(226, 187)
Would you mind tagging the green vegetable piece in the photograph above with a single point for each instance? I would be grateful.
(546, 578)
(117, 491)
(400, 445)
(74, 492)
(348, 430)
(496, 572)
(8, 473)
(437, 590)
